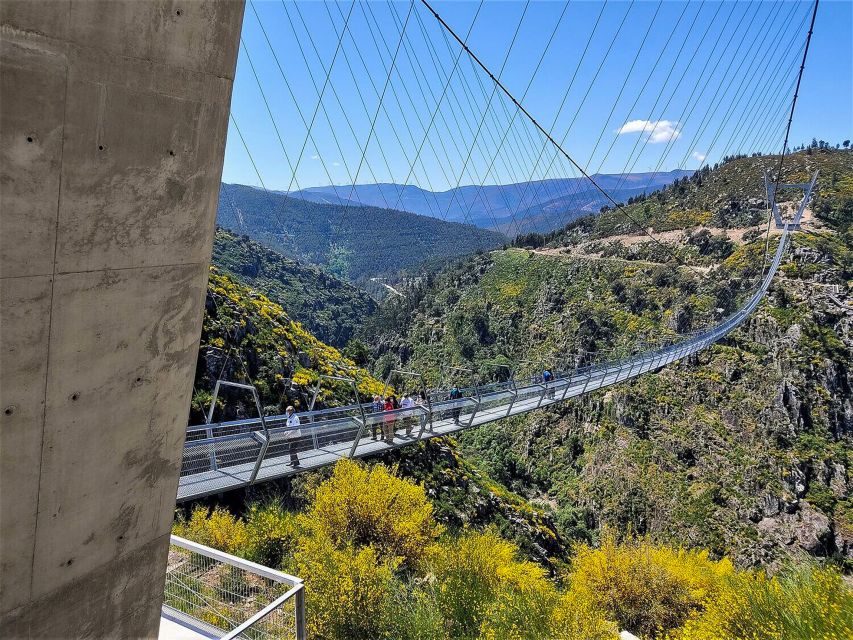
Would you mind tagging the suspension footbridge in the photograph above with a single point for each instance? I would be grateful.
(223, 456)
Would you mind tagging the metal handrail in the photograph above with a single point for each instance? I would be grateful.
(527, 395)
(296, 591)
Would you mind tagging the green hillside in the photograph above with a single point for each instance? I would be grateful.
(710, 500)
(744, 449)
(246, 337)
(354, 243)
(329, 308)
(727, 196)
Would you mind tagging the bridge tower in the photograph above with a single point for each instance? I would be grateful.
(112, 132)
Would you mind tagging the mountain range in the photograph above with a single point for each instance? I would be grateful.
(351, 242)
(540, 206)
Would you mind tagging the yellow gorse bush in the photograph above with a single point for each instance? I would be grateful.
(215, 528)
(478, 577)
(804, 605)
(646, 588)
(377, 567)
(372, 507)
(349, 590)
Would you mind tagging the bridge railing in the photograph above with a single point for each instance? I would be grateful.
(245, 453)
(218, 595)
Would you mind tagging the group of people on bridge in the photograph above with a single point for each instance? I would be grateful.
(385, 430)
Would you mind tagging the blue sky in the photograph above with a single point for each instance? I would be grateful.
(661, 85)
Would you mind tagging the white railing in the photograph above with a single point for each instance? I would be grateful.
(227, 455)
(218, 595)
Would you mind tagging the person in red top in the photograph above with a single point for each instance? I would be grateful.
(388, 425)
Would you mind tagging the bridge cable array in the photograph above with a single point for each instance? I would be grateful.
(474, 129)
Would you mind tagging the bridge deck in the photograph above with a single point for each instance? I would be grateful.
(223, 456)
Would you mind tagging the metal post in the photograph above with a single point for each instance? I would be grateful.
(209, 419)
(265, 443)
(301, 627)
(514, 393)
(576, 360)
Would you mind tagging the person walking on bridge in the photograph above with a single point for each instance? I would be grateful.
(389, 420)
(456, 394)
(293, 435)
(407, 403)
(548, 378)
(376, 407)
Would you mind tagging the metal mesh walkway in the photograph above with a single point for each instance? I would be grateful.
(228, 455)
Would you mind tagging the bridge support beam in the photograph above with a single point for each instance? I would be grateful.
(112, 132)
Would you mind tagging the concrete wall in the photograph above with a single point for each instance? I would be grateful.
(113, 117)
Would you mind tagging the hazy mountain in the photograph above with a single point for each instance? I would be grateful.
(352, 242)
(542, 205)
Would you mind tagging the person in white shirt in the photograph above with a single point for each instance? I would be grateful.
(408, 403)
(294, 435)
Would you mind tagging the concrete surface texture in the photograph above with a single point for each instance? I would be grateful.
(113, 118)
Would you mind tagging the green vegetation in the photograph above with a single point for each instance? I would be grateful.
(353, 242)
(332, 310)
(744, 450)
(379, 566)
(247, 337)
(727, 196)
(710, 499)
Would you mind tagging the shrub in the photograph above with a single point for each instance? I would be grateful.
(271, 534)
(362, 507)
(803, 605)
(477, 578)
(575, 617)
(647, 589)
(217, 528)
(349, 591)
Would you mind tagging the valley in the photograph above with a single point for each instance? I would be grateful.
(742, 452)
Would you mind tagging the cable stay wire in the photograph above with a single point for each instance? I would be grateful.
(444, 89)
(524, 95)
(545, 142)
(625, 82)
(717, 94)
(652, 70)
(489, 102)
(503, 88)
(478, 142)
(630, 159)
(298, 40)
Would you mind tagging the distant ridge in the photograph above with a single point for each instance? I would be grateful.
(542, 205)
(355, 242)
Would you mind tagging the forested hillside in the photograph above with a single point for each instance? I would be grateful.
(745, 450)
(353, 243)
(543, 204)
(246, 337)
(731, 195)
(709, 500)
(329, 308)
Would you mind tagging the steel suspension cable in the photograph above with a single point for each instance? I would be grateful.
(503, 88)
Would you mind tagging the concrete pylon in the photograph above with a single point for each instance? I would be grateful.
(113, 118)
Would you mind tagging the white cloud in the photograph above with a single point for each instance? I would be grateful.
(315, 157)
(658, 130)
(699, 157)
(336, 164)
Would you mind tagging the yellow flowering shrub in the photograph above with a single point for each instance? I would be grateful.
(215, 528)
(647, 589)
(271, 534)
(805, 605)
(575, 617)
(349, 591)
(477, 575)
(362, 506)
